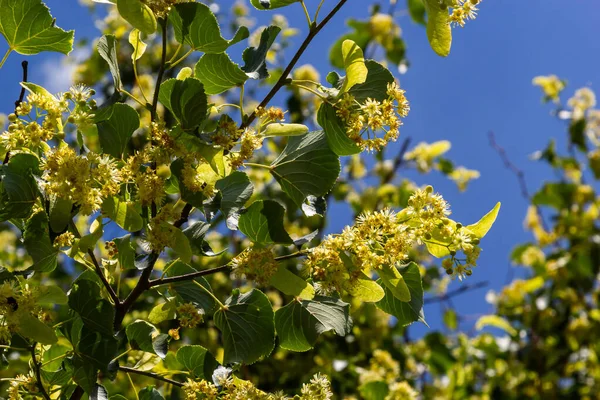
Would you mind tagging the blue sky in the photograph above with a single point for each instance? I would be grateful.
(484, 85)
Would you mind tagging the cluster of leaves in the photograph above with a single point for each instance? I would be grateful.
(150, 180)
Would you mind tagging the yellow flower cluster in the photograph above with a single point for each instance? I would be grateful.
(551, 85)
(189, 316)
(150, 185)
(385, 238)
(85, 180)
(226, 134)
(363, 121)
(16, 301)
(271, 114)
(161, 233)
(382, 367)
(533, 222)
(462, 176)
(583, 100)
(64, 240)
(200, 390)
(196, 178)
(402, 391)
(425, 154)
(256, 264)
(463, 10)
(318, 388)
(21, 383)
(249, 143)
(162, 7)
(42, 118)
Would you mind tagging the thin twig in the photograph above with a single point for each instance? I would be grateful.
(519, 174)
(188, 277)
(453, 293)
(161, 70)
(151, 375)
(24, 64)
(38, 374)
(185, 215)
(286, 72)
(398, 161)
(97, 268)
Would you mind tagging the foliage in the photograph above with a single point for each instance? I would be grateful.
(171, 238)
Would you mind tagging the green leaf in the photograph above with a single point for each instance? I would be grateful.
(439, 31)
(51, 295)
(354, 64)
(29, 28)
(299, 323)
(97, 348)
(96, 313)
(186, 99)
(406, 312)
(163, 312)
(255, 57)
(36, 330)
(363, 288)
(375, 87)
(182, 246)
(481, 227)
(150, 393)
(263, 223)
(18, 188)
(88, 242)
(306, 167)
(196, 26)
(198, 360)
(190, 291)
(140, 333)
(496, 322)
(116, 131)
(38, 245)
(138, 14)
(84, 374)
(394, 282)
(236, 189)
(335, 131)
(271, 4)
(291, 284)
(247, 327)
(374, 390)
(417, 11)
(218, 73)
(107, 48)
(60, 214)
(126, 252)
(123, 214)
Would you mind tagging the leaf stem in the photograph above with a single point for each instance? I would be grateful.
(242, 89)
(183, 57)
(297, 254)
(299, 86)
(284, 76)
(131, 96)
(5, 57)
(151, 375)
(257, 165)
(306, 14)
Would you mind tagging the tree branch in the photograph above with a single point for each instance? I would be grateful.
(151, 375)
(315, 29)
(38, 374)
(161, 70)
(398, 161)
(453, 293)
